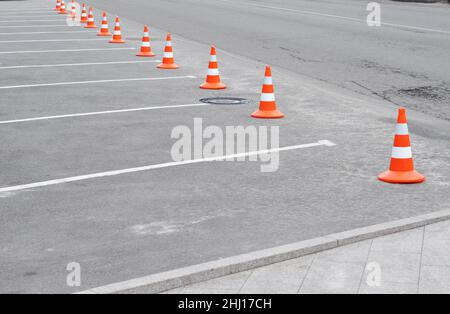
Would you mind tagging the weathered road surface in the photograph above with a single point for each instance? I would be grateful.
(406, 61)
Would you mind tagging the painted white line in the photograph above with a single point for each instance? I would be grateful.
(49, 40)
(17, 21)
(158, 166)
(64, 50)
(51, 32)
(76, 64)
(30, 15)
(22, 26)
(99, 82)
(342, 17)
(101, 112)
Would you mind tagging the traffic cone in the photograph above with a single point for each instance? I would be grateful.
(62, 9)
(91, 22)
(213, 76)
(117, 36)
(84, 17)
(104, 30)
(58, 6)
(168, 62)
(267, 105)
(73, 11)
(146, 49)
(401, 169)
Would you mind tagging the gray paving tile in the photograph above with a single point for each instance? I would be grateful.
(353, 253)
(405, 242)
(227, 284)
(443, 226)
(434, 280)
(397, 267)
(389, 288)
(436, 250)
(284, 277)
(331, 277)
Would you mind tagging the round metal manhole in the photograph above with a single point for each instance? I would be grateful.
(225, 101)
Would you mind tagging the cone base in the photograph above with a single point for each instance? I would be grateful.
(145, 54)
(172, 66)
(207, 85)
(104, 34)
(117, 41)
(267, 114)
(91, 26)
(401, 177)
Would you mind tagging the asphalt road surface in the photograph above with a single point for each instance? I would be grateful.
(77, 113)
(404, 62)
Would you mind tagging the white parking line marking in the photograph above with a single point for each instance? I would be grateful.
(75, 64)
(159, 166)
(341, 17)
(64, 50)
(49, 40)
(30, 15)
(101, 112)
(51, 32)
(21, 26)
(17, 21)
(100, 82)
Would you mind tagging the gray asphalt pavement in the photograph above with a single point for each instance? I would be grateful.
(125, 226)
(404, 62)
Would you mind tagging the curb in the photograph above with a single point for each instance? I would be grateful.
(197, 273)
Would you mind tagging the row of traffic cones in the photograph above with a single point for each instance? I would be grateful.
(401, 169)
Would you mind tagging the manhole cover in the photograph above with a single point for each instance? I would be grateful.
(225, 101)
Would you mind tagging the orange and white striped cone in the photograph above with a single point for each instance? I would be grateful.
(117, 36)
(168, 62)
(213, 76)
(62, 9)
(58, 6)
(104, 29)
(84, 17)
(91, 22)
(267, 105)
(401, 169)
(146, 49)
(73, 11)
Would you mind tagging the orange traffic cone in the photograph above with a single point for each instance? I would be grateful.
(401, 169)
(213, 76)
(84, 17)
(168, 62)
(267, 105)
(73, 11)
(146, 49)
(91, 22)
(58, 5)
(104, 30)
(117, 36)
(62, 9)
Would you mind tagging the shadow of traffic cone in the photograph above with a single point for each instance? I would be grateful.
(104, 29)
(146, 49)
(213, 76)
(117, 36)
(91, 22)
(58, 6)
(84, 17)
(401, 169)
(267, 105)
(62, 9)
(168, 62)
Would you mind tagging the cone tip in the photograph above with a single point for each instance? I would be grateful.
(401, 115)
(268, 71)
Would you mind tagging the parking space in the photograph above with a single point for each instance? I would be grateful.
(87, 174)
